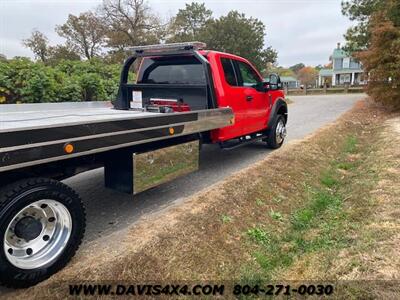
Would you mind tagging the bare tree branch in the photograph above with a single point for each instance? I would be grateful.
(39, 44)
(129, 23)
(84, 33)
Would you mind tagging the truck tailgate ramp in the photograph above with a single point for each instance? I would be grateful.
(31, 138)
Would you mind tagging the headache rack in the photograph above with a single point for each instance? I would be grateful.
(124, 96)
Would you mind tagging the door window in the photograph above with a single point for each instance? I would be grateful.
(249, 76)
(229, 71)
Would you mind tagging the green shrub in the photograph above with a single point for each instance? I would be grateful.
(25, 81)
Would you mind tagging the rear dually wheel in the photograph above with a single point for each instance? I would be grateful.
(42, 223)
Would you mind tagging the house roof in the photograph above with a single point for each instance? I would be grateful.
(288, 79)
(325, 72)
(339, 53)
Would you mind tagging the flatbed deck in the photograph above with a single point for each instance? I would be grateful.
(32, 134)
(27, 116)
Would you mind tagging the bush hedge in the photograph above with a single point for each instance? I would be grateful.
(25, 81)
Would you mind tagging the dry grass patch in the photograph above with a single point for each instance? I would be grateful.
(382, 259)
(369, 264)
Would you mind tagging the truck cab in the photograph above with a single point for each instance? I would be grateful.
(179, 83)
(240, 86)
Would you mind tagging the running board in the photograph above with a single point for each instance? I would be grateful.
(242, 141)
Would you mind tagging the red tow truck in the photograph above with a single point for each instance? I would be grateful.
(184, 96)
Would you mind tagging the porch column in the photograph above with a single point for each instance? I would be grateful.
(333, 79)
(352, 78)
(319, 80)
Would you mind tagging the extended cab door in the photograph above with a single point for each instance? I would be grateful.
(239, 91)
(256, 108)
(230, 95)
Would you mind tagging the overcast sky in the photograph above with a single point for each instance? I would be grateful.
(300, 30)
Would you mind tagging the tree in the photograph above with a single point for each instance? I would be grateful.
(319, 67)
(85, 34)
(130, 23)
(286, 72)
(297, 67)
(60, 52)
(382, 58)
(115, 56)
(375, 40)
(281, 71)
(189, 22)
(237, 34)
(307, 76)
(359, 36)
(39, 45)
(269, 56)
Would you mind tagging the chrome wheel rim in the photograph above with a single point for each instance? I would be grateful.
(280, 132)
(37, 234)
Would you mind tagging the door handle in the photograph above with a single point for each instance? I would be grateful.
(249, 98)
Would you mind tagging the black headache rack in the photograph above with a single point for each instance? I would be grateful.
(197, 92)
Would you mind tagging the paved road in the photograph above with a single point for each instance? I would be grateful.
(109, 211)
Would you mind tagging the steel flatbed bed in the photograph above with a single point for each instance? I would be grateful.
(27, 116)
(32, 134)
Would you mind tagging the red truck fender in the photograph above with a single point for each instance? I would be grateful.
(279, 108)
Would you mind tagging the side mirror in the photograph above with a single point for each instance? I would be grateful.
(275, 82)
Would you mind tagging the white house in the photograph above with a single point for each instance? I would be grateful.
(345, 70)
(290, 82)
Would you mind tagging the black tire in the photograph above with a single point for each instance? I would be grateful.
(272, 140)
(18, 196)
